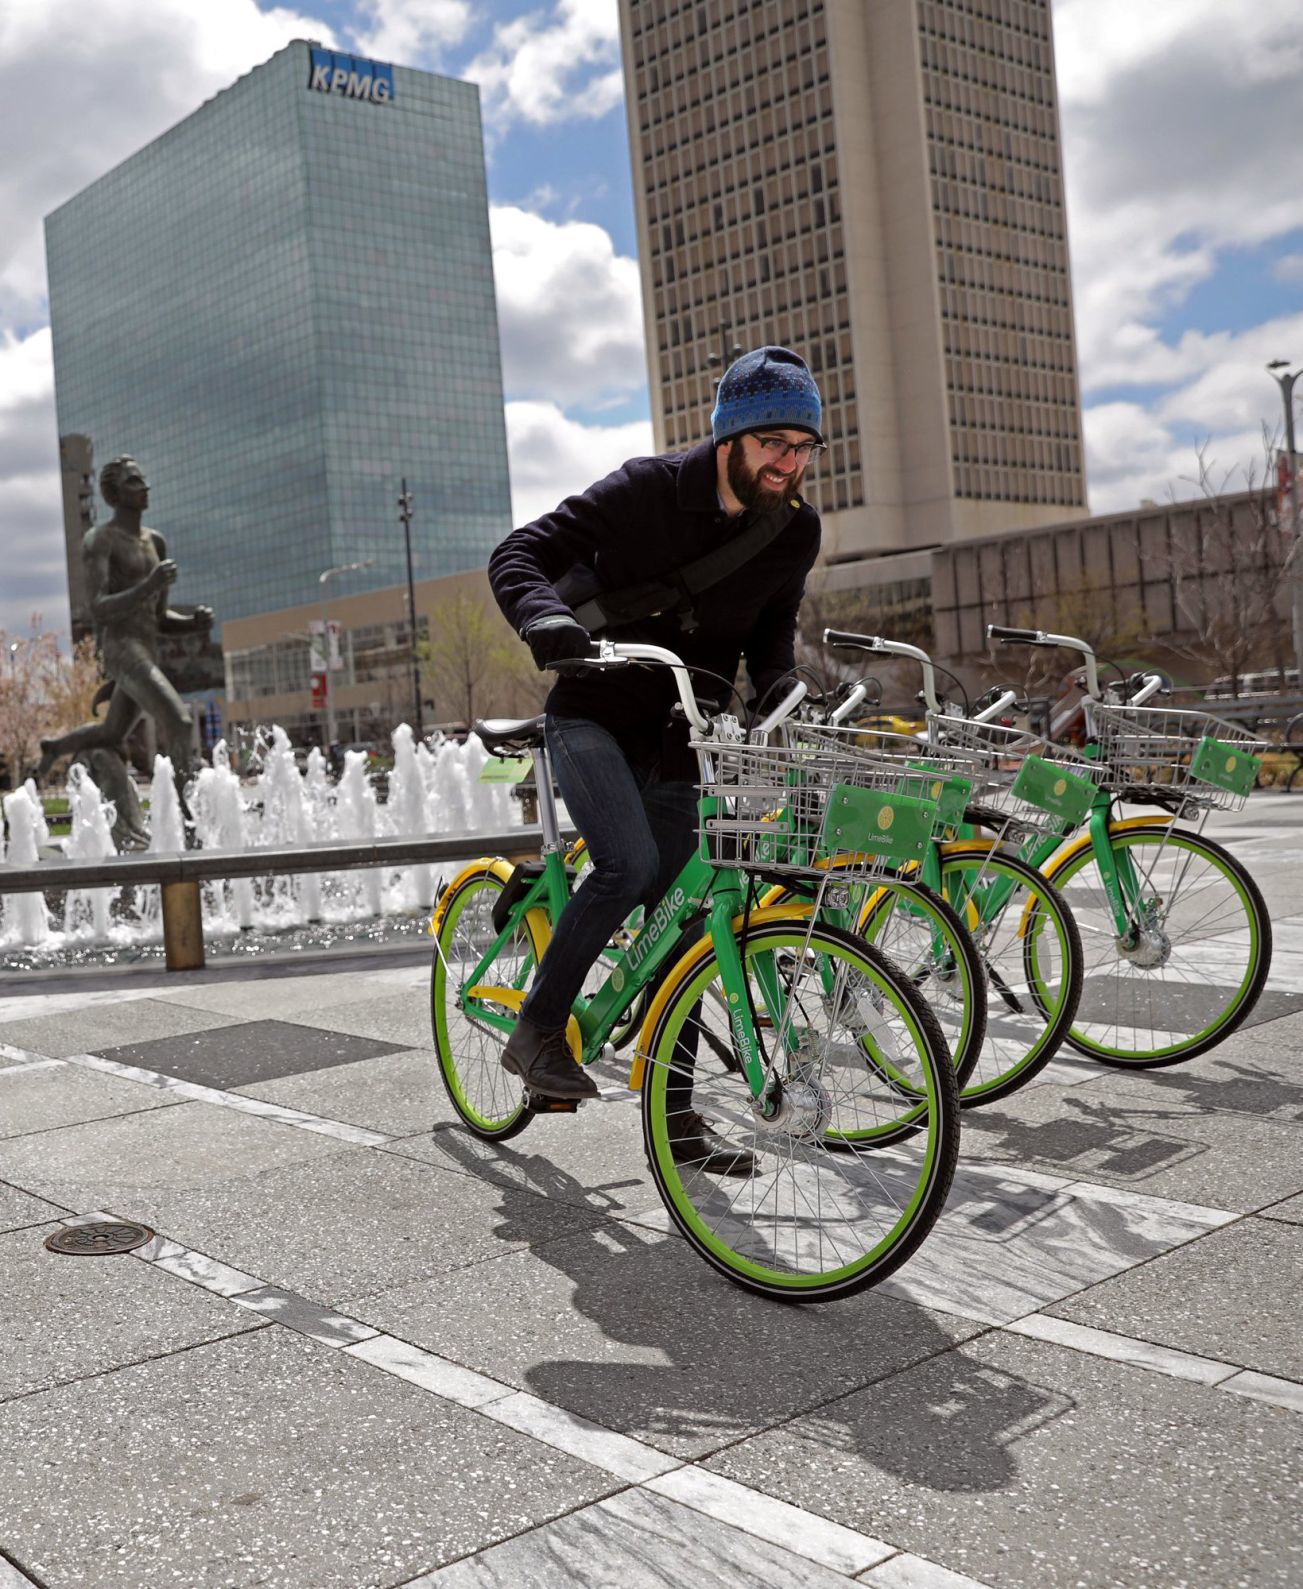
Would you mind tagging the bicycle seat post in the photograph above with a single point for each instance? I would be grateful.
(547, 812)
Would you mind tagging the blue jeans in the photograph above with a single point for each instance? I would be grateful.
(640, 831)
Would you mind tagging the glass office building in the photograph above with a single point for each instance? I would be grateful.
(282, 307)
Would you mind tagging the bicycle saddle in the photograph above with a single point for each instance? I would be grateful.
(508, 735)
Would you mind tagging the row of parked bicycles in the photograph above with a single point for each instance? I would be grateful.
(878, 931)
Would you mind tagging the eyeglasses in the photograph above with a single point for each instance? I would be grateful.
(777, 449)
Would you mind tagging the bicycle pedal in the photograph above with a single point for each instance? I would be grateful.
(540, 1104)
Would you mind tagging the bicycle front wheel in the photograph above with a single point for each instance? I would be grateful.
(470, 1028)
(1193, 962)
(853, 1167)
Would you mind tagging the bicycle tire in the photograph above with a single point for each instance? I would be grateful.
(1106, 958)
(1032, 993)
(962, 1021)
(489, 1102)
(810, 1224)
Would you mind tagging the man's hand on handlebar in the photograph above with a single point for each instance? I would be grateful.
(558, 638)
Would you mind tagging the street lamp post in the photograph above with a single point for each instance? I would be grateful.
(1286, 383)
(405, 517)
(322, 578)
(725, 356)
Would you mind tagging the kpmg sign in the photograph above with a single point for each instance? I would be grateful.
(350, 76)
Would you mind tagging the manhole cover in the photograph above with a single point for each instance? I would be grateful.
(99, 1240)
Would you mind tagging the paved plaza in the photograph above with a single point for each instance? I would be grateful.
(365, 1350)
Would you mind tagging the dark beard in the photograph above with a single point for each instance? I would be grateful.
(745, 483)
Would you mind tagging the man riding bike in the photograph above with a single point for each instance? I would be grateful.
(706, 553)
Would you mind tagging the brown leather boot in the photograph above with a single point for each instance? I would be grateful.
(693, 1142)
(543, 1061)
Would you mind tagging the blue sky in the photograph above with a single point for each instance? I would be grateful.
(1185, 221)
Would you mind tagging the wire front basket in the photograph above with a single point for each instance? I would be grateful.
(813, 810)
(1208, 762)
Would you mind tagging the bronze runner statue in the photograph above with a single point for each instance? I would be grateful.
(129, 575)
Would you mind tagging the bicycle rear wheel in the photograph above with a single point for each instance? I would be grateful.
(866, 1069)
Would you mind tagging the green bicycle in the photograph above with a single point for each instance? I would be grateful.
(1178, 939)
(842, 1090)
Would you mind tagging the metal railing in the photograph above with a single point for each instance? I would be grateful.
(179, 876)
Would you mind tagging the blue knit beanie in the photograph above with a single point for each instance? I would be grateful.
(771, 386)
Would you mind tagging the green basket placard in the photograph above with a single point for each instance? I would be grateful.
(871, 822)
(1224, 766)
(1050, 788)
(950, 792)
(506, 769)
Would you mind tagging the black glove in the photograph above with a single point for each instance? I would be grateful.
(557, 639)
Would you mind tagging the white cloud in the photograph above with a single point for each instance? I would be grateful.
(563, 67)
(82, 87)
(31, 510)
(553, 456)
(411, 32)
(1172, 121)
(1173, 147)
(570, 309)
(1289, 269)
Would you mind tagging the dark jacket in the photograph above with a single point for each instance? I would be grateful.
(645, 520)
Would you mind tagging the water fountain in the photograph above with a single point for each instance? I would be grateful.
(432, 789)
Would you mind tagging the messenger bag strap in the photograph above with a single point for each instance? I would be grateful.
(652, 598)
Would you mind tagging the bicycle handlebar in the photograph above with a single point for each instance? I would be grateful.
(784, 709)
(893, 648)
(839, 714)
(1042, 637)
(997, 707)
(618, 654)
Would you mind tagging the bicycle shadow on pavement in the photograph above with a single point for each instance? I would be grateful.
(1112, 1139)
(665, 1350)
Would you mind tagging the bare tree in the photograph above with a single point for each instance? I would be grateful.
(473, 665)
(1229, 574)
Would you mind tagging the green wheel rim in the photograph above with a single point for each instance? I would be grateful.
(680, 1204)
(472, 894)
(1246, 989)
(1053, 997)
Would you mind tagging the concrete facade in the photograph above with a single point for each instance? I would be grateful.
(478, 667)
(880, 187)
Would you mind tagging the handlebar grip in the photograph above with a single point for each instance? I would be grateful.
(1001, 631)
(843, 637)
(573, 665)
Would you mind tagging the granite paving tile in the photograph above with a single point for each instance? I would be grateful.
(18, 1209)
(352, 1223)
(1290, 1210)
(640, 1541)
(265, 1459)
(1254, 1321)
(633, 1331)
(65, 1318)
(1030, 1466)
(398, 1015)
(38, 1099)
(393, 1093)
(89, 1029)
(234, 1056)
(126, 1161)
(252, 998)
(1161, 1140)
(593, 1158)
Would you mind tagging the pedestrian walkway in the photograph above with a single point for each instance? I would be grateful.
(364, 1350)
